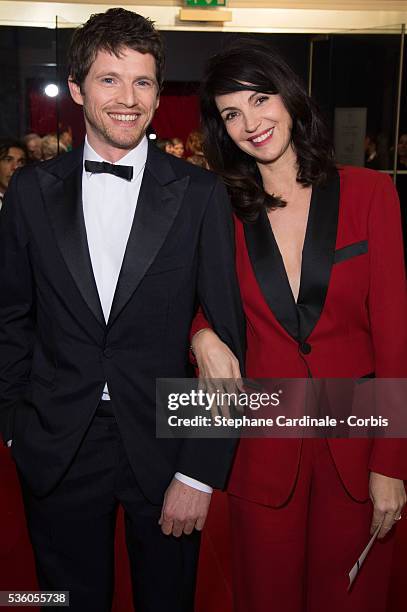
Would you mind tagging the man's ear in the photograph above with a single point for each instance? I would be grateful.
(75, 91)
(157, 102)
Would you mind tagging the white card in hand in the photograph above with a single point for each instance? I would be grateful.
(355, 569)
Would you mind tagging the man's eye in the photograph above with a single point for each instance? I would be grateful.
(144, 83)
(107, 80)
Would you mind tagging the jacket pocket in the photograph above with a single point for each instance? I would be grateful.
(45, 382)
(365, 378)
(43, 368)
(352, 250)
(166, 264)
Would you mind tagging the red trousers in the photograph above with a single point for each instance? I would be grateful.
(296, 558)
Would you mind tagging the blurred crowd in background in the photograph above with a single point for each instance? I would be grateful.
(34, 148)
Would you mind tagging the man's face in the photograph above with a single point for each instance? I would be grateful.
(169, 148)
(119, 97)
(14, 159)
(34, 149)
(66, 139)
(178, 149)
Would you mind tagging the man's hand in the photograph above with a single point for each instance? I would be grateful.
(389, 497)
(184, 509)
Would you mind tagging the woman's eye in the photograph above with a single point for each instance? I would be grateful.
(230, 116)
(261, 99)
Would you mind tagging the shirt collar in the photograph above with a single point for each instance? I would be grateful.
(137, 157)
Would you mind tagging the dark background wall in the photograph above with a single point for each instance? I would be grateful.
(349, 70)
(187, 52)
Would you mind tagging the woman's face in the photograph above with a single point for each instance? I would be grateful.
(258, 123)
(402, 146)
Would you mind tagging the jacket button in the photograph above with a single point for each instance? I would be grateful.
(305, 348)
(108, 353)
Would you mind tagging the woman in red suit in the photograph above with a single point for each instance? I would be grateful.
(320, 263)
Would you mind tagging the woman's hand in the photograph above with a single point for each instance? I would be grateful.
(214, 357)
(389, 498)
(216, 361)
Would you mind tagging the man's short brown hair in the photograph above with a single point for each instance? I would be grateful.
(113, 31)
(10, 143)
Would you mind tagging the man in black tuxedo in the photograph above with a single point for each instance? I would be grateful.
(101, 267)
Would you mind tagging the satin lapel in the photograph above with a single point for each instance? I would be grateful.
(157, 207)
(62, 193)
(318, 254)
(270, 273)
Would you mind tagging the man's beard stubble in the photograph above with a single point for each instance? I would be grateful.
(110, 138)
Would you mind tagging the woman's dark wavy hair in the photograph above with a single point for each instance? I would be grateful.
(248, 61)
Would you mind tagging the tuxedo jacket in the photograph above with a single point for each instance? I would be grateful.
(350, 321)
(57, 352)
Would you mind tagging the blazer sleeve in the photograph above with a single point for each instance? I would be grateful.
(199, 322)
(16, 312)
(209, 460)
(388, 313)
(218, 288)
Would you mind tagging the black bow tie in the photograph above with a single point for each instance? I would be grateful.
(95, 167)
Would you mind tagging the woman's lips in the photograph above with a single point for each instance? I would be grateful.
(261, 139)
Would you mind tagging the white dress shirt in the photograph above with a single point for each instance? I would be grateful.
(109, 204)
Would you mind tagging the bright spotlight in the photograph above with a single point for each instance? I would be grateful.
(51, 90)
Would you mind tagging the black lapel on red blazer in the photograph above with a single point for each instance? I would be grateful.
(160, 198)
(270, 273)
(61, 185)
(318, 254)
(317, 259)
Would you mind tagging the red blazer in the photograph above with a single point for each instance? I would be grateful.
(350, 321)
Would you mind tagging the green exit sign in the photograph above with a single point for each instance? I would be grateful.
(201, 3)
